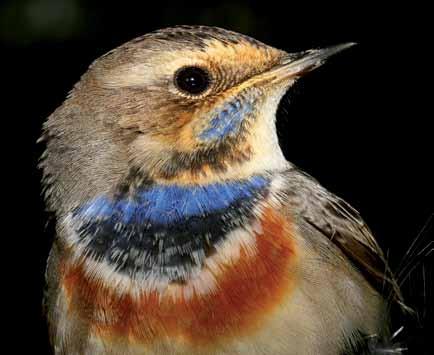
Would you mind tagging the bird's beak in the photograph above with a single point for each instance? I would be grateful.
(295, 65)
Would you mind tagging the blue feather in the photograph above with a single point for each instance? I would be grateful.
(167, 204)
(227, 120)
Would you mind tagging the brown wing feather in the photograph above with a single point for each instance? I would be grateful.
(342, 224)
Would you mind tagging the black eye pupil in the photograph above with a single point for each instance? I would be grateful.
(192, 80)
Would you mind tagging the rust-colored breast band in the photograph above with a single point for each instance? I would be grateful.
(246, 294)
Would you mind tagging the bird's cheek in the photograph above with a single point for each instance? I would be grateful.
(180, 132)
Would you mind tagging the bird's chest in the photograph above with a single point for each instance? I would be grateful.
(196, 292)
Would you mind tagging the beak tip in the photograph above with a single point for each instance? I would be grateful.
(309, 60)
(338, 48)
(349, 45)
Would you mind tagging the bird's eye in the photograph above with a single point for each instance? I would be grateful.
(192, 80)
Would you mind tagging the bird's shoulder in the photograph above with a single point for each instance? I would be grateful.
(331, 217)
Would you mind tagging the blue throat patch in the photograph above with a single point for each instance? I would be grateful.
(168, 204)
(227, 120)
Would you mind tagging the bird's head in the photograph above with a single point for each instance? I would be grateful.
(182, 104)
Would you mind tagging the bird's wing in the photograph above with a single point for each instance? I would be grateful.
(336, 220)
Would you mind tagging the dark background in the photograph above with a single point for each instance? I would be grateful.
(360, 124)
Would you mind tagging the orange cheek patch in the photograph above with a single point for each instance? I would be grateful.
(246, 293)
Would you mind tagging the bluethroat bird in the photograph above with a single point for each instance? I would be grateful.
(180, 226)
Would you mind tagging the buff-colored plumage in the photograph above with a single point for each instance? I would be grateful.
(182, 229)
